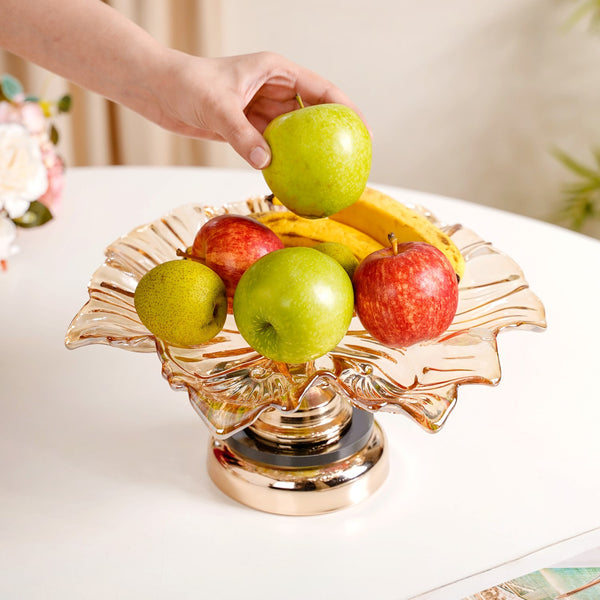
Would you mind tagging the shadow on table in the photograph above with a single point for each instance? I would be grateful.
(170, 456)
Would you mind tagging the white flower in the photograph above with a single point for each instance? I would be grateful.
(23, 175)
(8, 234)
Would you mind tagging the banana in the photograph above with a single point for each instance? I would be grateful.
(297, 231)
(377, 215)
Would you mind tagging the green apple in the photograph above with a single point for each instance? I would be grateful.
(341, 253)
(320, 159)
(181, 302)
(294, 305)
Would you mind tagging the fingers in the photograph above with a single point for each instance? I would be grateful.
(263, 109)
(314, 89)
(248, 93)
(289, 77)
(235, 128)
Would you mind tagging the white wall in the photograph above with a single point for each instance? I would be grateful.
(464, 98)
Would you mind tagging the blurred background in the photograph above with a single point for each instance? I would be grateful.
(465, 99)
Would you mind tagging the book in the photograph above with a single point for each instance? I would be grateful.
(577, 578)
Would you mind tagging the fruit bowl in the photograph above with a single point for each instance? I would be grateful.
(236, 391)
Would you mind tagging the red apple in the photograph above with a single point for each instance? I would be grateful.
(405, 294)
(229, 244)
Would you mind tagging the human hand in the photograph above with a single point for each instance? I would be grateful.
(233, 99)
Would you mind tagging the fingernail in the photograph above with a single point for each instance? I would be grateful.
(259, 157)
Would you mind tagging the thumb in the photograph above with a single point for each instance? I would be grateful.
(245, 139)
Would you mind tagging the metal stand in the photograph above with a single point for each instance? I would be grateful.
(321, 458)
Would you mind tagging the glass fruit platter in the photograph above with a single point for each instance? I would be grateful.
(279, 429)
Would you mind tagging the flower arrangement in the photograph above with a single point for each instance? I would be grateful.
(31, 170)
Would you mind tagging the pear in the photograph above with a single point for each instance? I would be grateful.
(182, 302)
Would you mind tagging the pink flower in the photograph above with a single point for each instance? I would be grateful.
(32, 116)
(56, 169)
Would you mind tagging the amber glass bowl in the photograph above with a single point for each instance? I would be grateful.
(230, 385)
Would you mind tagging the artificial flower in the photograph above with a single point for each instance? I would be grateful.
(23, 174)
(55, 168)
(31, 170)
(8, 235)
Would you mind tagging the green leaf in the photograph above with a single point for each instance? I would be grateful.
(37, 214)
(11, 87)
(577, 209)
(54, 137)
(32, 99)
(576, 166)
(64, 104)
(581, 200)
(585, 8)
(580, 189)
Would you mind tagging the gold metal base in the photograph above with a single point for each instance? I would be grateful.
(242, 469)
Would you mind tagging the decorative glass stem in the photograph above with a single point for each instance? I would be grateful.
(321, 420)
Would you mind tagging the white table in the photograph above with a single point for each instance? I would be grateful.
(103, 486)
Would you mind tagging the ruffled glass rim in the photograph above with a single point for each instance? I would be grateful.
(230, 385)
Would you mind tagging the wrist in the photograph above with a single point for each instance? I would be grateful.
(177, 86)
(141, 87)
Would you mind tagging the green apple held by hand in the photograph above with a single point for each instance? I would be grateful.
(181, 302)
(320, 159)
(294, 304)
(341, 253)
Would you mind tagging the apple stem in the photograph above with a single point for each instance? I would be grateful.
(299, 100)
(185, 254)
(394, 242)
